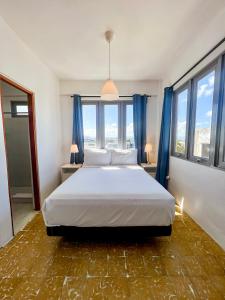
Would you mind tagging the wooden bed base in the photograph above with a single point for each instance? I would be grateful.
(147, 231)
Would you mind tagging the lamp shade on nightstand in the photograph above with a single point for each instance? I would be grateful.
(74, 148)
(148, 148)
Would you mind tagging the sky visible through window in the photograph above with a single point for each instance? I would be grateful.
(89, 124)
(129, 127)
(205, 101)
(203, 118)
(111, 125)
(181, 121)
(181, 115)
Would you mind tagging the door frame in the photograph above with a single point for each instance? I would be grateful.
(32, 138)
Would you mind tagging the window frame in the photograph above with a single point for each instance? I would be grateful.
(217, 138)
(221, 118)
(14, 112)
(100, 120)
(192, 116)
(186, 86)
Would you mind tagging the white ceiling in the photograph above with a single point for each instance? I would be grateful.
(149, 34)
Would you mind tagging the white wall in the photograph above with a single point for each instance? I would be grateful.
(20, 64)
(202, 191)
(93, 87)
(201, 188)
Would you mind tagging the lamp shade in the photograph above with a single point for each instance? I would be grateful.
(109, 91)
(148, 147)
(74, 148)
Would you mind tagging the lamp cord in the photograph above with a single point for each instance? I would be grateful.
(109, 61)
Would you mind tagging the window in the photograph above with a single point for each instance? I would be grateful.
(111, 126)
(129, 127)
(19, 108)
(108, 125)
(180, 128)
(203, 107)
(89, 125)
(198, 119)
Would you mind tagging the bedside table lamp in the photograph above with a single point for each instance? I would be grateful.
(148, 149)
(74, 150)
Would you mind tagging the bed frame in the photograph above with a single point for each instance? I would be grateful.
(132, 231)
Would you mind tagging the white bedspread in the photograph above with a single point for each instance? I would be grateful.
(109, 196)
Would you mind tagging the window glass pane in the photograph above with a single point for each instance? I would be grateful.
(22, 110)
(111, 126)
(89, 124)
(181, 112)
(129, 127)
(204, 104)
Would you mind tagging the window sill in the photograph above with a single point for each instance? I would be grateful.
(199, 163)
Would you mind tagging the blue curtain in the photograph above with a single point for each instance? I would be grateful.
(164, 142)
(139, 119)
(78, 135)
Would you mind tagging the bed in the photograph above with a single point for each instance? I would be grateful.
(109, 198)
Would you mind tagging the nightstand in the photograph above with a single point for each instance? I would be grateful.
(68, 169)
(150, 168)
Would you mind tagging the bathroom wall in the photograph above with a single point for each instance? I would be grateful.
(17, 142)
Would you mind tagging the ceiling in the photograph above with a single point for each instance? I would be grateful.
(68, 35)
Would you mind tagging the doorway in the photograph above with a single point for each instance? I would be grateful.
(20, 144)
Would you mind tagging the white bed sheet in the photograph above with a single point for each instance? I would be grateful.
(109, 196)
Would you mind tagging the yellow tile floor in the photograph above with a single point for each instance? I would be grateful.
(186, 265)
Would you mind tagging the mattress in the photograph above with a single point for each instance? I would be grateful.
(109, 196)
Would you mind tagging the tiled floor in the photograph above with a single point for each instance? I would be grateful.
(187, 265)
(22, 213)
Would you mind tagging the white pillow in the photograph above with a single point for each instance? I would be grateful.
(124, 157)
(97, 157)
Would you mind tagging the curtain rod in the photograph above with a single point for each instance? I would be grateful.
(95, 96)
(199, 61)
